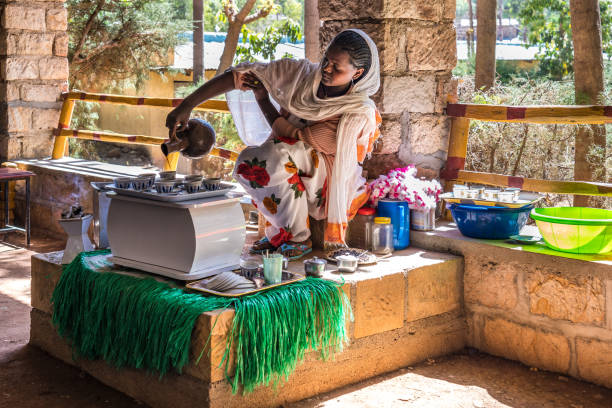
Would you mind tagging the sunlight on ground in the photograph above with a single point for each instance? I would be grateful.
(16, 287)
(416, 391)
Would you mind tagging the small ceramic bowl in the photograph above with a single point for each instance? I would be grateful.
(164, 186)
(167, 175)
(211, 183)
(505, 196)
(346, 263)
(192, 186)
(123, 182)
(472, 193)
(459, 191)
(515, 191)
(193, 177)
(490, 195)
(150, 177)
(140, 183)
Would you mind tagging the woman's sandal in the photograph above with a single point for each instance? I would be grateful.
(300, 248)
(264, 245)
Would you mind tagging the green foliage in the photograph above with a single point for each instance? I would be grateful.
(125, 40)
(263, 44)
(549, 28)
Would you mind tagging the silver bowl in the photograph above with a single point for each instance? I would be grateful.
(347, 263)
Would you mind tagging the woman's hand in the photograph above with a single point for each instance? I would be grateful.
(254, 84)
(177, 119)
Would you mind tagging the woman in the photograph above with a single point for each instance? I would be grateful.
(311, 162)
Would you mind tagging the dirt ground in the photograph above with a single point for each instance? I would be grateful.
(29, 378)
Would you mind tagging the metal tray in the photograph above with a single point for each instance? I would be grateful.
(286, 279)
(525, 199)
(179, 195)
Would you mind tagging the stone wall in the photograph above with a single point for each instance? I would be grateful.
(549, 312)
(33, 73)
(417, 49)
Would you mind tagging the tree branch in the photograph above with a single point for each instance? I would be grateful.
(261, 13)
(245, 10)
(229, 9)
(86, 30)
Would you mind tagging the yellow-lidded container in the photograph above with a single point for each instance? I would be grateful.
(382, 220)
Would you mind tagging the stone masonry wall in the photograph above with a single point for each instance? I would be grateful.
(33, 73)
(417, 49)
(555, 315)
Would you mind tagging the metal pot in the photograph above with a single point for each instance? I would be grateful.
(346, 263)
(314, 267)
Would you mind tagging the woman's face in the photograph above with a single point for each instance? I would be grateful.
(336, 68)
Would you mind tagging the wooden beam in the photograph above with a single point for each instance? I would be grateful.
(209, 106)
(537, 185)
(583, 114)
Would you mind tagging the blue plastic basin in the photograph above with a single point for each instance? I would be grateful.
(479, 221)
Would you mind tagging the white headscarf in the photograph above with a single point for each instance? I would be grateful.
(294, 85)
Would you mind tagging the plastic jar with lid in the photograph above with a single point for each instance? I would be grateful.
(359, 232)
(382, 236)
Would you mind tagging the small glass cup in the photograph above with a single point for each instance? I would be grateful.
(459, 190)
(516, 191)
(273, 268)
(505, 196)
(473, 193)
(490, 195)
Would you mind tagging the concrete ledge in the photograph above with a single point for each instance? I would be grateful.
(386, 335)
(547, 311)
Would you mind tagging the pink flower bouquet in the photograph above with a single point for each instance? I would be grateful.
(402, 184)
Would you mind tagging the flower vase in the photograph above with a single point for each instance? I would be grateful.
(78, 241)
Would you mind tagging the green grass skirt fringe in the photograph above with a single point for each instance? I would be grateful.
(143, 323)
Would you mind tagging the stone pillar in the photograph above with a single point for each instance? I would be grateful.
(33, 73)
(417, 48)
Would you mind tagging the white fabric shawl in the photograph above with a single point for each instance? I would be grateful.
(294, 84)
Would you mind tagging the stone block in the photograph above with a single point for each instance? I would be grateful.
(412, 93)
(45, 119)
(390, 135)
(594, 361)
(24, 17)
(57, 19)
(534, 348)
(490, 283)
(379, 9)
(428, 134)
(37, 145)
(46, 273)
(449, 9)
(10, 147)
(381, 163)
(25, 43)
(433, 290)
(577, 298)
(432, 47)
(60, 45)
(379, 305)
(19, 118)
(53, 68)
(14, 68)
(446, 92)
(208, 342)
(40, 93)
(9, 91)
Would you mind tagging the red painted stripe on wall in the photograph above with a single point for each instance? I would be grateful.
(131, 138)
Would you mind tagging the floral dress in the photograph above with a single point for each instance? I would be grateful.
(287, 181)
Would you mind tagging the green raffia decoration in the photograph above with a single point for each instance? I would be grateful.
(143, 323)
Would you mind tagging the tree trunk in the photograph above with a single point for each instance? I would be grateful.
(198, 40)
(470, 34)
(311, 29)
(500, 12)
(588, 85)
(485, 44)
(231, 43)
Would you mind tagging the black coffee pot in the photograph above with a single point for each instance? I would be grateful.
(194, 142)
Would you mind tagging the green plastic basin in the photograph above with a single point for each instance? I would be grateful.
(579, 230)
